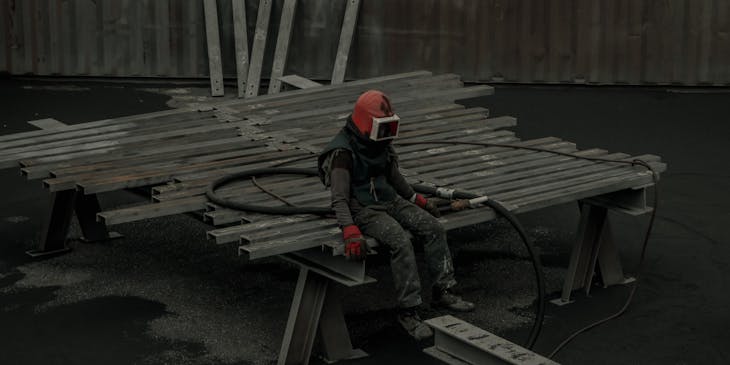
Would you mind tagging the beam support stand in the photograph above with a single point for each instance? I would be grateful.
(55, 231)
(316, 312)
(594, 247)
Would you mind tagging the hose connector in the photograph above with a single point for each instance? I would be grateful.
(462, 204)
(445, 193)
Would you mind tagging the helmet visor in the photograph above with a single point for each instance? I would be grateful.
(385, 128)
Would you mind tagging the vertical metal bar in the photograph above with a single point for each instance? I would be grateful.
(214, 47)
(596, 218)
(240, 34)
(282, 45)
(56, 227)
(600, 219)
(301, 327)
(346, 36)
(575, 255)
(258, 48)
(589, 228)
(334, 336)
(86, 208)
(612, 272)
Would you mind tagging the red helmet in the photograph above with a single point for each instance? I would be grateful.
(373, 116)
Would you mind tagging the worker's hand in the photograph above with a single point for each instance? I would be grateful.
(427, 205)
(355, 247)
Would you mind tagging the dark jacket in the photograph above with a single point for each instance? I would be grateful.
(360, 172)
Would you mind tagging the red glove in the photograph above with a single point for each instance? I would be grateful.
(355, 246)
(427, 205)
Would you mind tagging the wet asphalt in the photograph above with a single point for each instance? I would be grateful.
(164, 295)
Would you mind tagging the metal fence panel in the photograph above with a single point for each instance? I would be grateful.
(683, 42)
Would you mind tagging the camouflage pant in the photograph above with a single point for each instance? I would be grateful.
(387, 223)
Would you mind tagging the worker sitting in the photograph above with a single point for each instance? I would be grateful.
(370, 196)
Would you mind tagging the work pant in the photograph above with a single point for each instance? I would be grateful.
(386, 223)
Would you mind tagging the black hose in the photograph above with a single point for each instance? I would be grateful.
(279, 210)
(289, 210)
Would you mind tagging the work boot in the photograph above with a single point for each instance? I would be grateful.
(412, 323)
(444, 298)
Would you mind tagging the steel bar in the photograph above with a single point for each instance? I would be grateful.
(215, 67)
(473, 345)
(283, 38)
(240, 32)
(346, 35)
(304, 315)
(258, 48)
(298, 81)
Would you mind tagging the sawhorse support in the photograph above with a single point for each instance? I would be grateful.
(55, 232)
(595, 244)
(316, 311)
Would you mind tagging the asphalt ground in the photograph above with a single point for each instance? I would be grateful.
(164, 295)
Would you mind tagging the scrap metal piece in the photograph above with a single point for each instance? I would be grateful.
(457, 342)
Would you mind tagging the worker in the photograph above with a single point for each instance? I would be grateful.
(370, 196)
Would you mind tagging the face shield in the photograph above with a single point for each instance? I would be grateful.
(385, 128)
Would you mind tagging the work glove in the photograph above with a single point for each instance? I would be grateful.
(355, 247)
(427, 205)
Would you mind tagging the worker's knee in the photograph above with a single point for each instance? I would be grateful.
(398, 241)
(434, 230)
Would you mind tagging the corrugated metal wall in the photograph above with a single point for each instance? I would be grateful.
(552, 41)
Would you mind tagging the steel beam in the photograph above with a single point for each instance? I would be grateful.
(459, 343)
(627, 201)
(315, 310)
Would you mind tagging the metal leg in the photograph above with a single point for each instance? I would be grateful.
(581, 266)
(86, 208)
(65, 203)
(612, 272)
(333, 334)
(594, 246)
(56, 226)
(315, 310)
(301, 328)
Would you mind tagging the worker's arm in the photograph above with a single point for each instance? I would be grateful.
(340, 186)
(401, 186)
(355, 247)
(398, 182)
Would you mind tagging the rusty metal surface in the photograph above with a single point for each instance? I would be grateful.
(558, 41)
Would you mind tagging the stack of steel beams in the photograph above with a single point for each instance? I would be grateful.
(180, 152)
